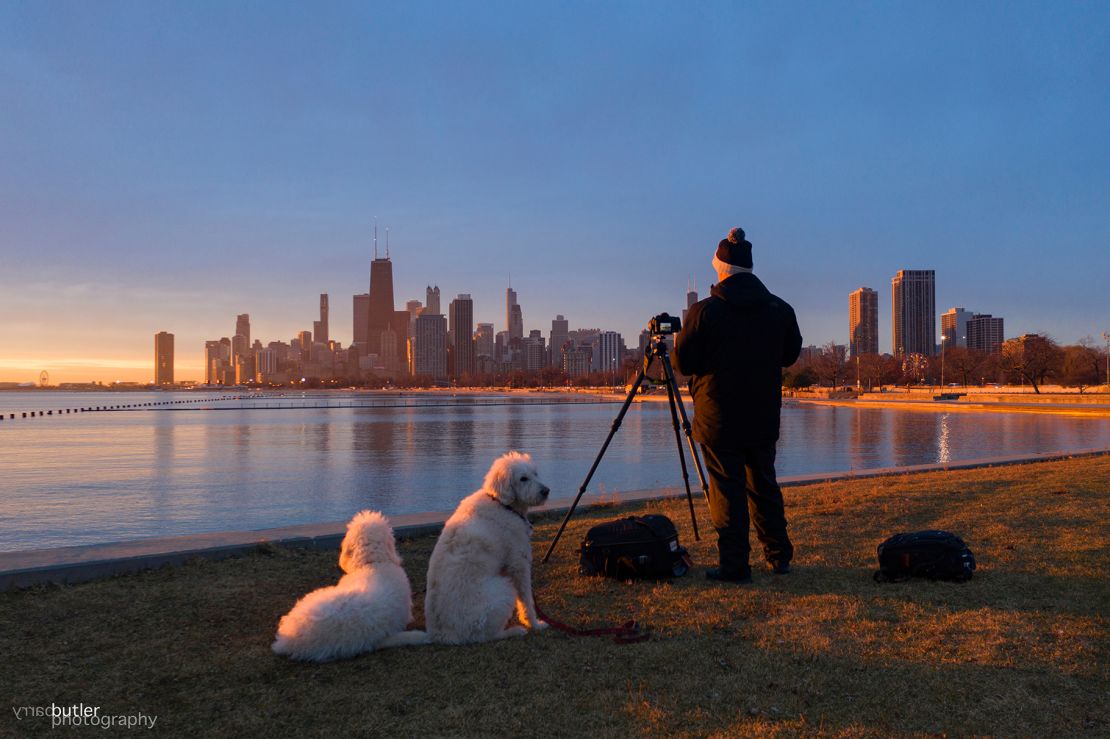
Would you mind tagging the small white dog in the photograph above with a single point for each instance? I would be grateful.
(369, 608)
(481, 567)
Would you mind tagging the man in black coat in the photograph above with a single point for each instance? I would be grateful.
(734, 346)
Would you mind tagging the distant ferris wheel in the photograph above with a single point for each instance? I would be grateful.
(44, 378)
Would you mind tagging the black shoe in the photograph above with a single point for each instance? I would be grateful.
(780, 567)
(739, 578)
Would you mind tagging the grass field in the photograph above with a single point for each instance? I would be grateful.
(1021, 649)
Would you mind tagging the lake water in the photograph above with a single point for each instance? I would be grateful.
(227, 464)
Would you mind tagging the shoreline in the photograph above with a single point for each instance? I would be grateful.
(84, 563)
(962, 406)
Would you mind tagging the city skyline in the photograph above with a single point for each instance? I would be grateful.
(599, 163)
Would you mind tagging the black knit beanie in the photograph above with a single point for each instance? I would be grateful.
(735, 250)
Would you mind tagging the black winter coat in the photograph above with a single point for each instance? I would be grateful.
(734, 346)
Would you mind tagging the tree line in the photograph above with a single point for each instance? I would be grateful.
(1035, 359)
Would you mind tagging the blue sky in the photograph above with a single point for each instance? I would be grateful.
(165, 166)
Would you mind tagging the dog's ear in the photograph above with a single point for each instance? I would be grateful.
(499, 480)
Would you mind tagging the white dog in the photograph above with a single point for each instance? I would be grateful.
(369, 608)
(481, 566)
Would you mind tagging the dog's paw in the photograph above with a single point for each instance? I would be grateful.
(539, 625)
(513, 631)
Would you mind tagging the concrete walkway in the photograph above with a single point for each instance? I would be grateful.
(69, 565)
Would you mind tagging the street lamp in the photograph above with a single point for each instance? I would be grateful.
(1106, 338)
(943, 339)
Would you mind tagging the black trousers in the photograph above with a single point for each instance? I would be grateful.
(742, 480)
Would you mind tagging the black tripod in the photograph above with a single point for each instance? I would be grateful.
(657, 347)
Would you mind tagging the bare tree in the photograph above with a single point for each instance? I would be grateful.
(1081, 366)
(1033, 357)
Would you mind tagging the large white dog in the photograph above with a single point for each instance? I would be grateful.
(369, 608)
(481, 567)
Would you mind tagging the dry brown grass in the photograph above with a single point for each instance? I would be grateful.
(1021, 649)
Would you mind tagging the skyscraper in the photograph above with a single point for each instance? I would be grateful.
(462, 334)
(953, 327)
(320, 328)
(691, 298)
(428, 347)
(985, 333)
(163, 358)
(243, 327)
(483, 340)
(413, 307)
(560, 330)
(361, 315)
(610, 352)
(514, 318)
(535, 354)
(213, 361)
(863, 322)
(381, 303)
(431, 301)
(915, 316)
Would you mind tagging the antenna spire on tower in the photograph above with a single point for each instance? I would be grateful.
(387, 242)
(375, 237)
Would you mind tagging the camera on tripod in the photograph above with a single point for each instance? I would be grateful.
(664, 324)
(660, 327)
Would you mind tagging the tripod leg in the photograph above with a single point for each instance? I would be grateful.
(671, 393)
(686, 428)
(612, 432)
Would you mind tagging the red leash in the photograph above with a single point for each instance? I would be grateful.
(627, 633)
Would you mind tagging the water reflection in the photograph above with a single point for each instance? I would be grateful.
(66, 481)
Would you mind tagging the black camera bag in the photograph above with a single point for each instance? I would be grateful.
(936, 555)
(637, 547)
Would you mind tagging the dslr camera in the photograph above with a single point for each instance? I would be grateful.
(664, 324)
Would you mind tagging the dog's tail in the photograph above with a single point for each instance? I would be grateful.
(405, 639)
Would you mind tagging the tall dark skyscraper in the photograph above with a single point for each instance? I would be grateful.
(514, 319)
(320, 328)
(915, 314)
(461, 321)
(163, 358)
(381, 303)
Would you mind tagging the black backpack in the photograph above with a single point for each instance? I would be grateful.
(936, 555)
(634, 548)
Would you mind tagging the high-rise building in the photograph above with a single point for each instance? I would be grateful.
(428, 347)
(431, 301)
(361, 316)
(243, 328)
(381, 302)
(304, 340)
(215, 357)
(514, 318)
(320, 328)
(560, 332)
(163, 358)
(483, 341)
(577, 360)
(914, 308)
(413, 307)
(953, 327)
(535, 354)
(462, 334)
(610, 352)
(691, 298)
(985, 333)
(863, 321)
